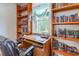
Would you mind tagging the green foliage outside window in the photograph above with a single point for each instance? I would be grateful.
(40, 18)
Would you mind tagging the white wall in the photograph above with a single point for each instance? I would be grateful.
(8, 20)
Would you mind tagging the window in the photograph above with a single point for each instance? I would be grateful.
(40, 18)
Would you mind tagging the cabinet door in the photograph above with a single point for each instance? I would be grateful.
(38, 51)
(45, 51)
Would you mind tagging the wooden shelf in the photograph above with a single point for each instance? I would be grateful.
(20, 17)
(22, 25)
(23, 32)
(66, 23)
(63, 53)
(70, 39)
(19, 32)
(65, 8)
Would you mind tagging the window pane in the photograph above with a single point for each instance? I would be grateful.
(40, 18)
(42, 26)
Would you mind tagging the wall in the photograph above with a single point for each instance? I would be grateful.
(8, 20)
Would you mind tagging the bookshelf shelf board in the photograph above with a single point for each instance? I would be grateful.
(22, 25)
(65, 8)
(67, 23)
(70, 39)
(19, 32)
(63, 53)
(19, 25)
(20, 17)
(23, 33)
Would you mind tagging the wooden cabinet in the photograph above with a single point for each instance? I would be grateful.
(45, 51)
(38, 51)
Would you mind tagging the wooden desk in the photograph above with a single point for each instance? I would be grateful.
(42, 45)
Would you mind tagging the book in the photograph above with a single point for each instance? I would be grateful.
(54, 5)
(57, 19)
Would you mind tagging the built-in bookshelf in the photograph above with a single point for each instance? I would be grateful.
(24, 19)
(58, 7)
(63, 53)
(59, 47)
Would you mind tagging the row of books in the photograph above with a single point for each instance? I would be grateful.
(67, 33)
(70, 18)
(22, 7)
(24, 21)
(64, 47)
(59, 5)
(24, 28)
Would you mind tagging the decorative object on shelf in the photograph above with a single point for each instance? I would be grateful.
(55, 44)
(72, 50)
(76, 34)
(67, 33)
(70, 33)
(75, 50)
(61, 33)
(64, 47)
(77, 16)
(55, 33)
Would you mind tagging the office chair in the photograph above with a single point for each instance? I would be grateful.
(9, 48)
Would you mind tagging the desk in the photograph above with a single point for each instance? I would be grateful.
(42, 45)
